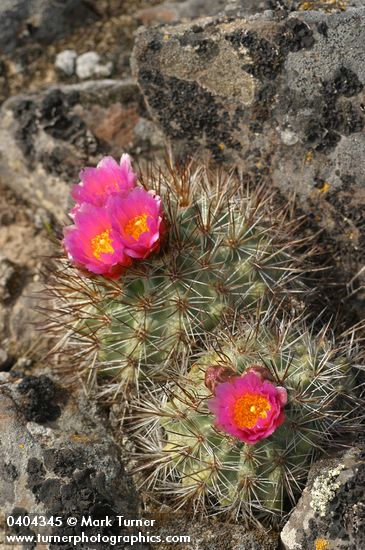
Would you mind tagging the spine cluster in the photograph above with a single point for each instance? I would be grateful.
(173, 294)
(186, 455)
(224, 250)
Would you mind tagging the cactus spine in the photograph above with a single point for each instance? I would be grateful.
(193, 462)
(222, 251)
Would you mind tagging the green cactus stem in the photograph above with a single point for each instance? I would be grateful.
(183, 455)
(226, 247)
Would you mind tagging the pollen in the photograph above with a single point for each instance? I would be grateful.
(136, 226)
(249, 408)
(102, 244)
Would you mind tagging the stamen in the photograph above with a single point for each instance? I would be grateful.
(249, 408)
(136, 226)
(102, 244)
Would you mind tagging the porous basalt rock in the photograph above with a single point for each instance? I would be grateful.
(24, 21)
(331, 508)
(281, 97)
(57, 459)
(47, 137)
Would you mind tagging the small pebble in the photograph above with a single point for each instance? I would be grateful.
(66, 62)
(88, 65)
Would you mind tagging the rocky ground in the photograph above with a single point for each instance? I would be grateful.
(278, 88)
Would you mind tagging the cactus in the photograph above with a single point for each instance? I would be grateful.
(222, 250)
(183, 454)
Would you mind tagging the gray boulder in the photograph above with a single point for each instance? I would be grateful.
(282, 97)
(57, 459)
(330, 514)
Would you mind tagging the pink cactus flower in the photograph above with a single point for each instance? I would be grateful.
(108, 178)
(248, 407)
(93, 245)
(138, 219)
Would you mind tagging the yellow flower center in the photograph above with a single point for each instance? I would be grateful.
(136, 226)
(102, 244)
(322, 544)
(249, 408)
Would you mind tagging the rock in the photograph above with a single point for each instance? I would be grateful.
(66, 61)
(57, 459)
(6, 360)
(23, 21)
(46, 138)
(213, 534)
(11, 280)
(330, 514)
(178, 11)
(167, 12)
(24, 247)
(88, 65)
(25, 319)
(282, 97)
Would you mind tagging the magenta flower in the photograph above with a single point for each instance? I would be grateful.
(93, 245)
(108, 178)
(248, 407)
(137, 218)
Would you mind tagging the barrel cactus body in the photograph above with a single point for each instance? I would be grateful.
(198, 463)
(222, 250)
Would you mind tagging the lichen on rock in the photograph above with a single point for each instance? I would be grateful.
(324, 489)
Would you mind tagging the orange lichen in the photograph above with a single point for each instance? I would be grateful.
(136, 226)
(249, 408)
(325, 187)
(102, 244)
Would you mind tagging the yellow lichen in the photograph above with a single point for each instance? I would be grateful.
(326, 5)
(321, 544)
(308, 157)
(325, 187)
